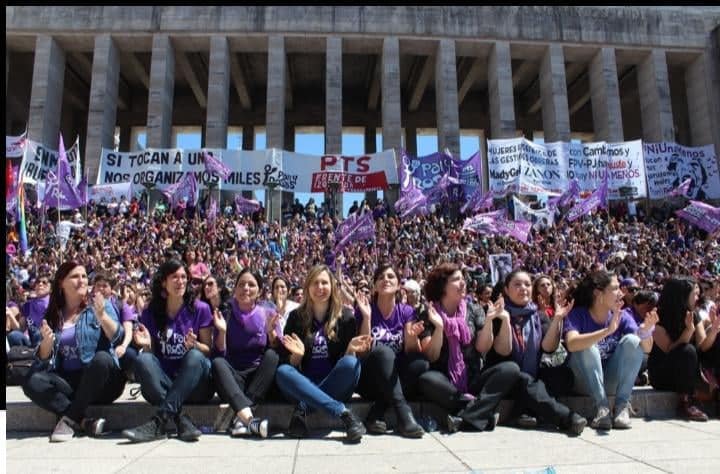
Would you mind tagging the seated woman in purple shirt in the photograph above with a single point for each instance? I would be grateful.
(24, 328)
(175, 335)
(606, 347)
(675, 359)
(395, 348)
(319, 365)
(76, 364)
(245, 369)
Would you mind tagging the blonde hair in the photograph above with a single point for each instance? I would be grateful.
(335, 309)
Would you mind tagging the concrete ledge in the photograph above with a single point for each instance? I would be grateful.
(23, 415)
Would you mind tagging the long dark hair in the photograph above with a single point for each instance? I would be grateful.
(223, 292)
(583, 294)
(57, 298)
(258, 279)
(673, 305)
(158, 296)
(378, 273)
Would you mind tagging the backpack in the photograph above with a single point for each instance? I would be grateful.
(19, 361)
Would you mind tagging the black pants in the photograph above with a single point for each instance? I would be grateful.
(531, 395)
(710, 359)
(385, 376)
(558, 380)
(244, 388)
(70, 393)
(493, 384)
(676, 370)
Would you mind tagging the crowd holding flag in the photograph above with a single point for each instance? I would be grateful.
(362, 228)
(213, 164)
(60, 189)
(599, 198)
(183, 190)
(701, 215)
(567, 197)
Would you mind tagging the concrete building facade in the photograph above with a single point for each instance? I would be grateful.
(595, 73)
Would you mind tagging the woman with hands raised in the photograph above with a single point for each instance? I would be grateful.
(395, 354)
(606, 347)
(319, 366)
(674, 361)
(456, 335)
(245, 369)
(174, 335)
(76, 363)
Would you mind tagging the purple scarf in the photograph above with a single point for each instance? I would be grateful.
(458, 334)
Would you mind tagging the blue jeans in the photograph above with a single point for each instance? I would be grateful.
(192, 382)
(18, 338)
(329, 394)
(615, 375)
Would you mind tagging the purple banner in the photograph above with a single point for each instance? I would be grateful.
(478, 201)
(469, 174)
(213, 164)
(364, 229)
(597, 198)
(701, 215)
(682, 189)
(185, 188)
(346, 226)
(412, 203)
(246, 206)
(567, 197)
(520, 230)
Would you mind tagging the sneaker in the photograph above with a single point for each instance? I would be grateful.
(224, 419)
(64, 430)
(688, 410)
(526, 421)
(93, 426)
(622, 418)
(238, 428)
(642, 379)
(154, 429)
(453, 423)
(354, 428)
(186, 429)
(602, 420)
(298, 424)
(258, 427)
(577, 424)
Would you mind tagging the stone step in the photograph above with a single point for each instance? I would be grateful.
(126, 412)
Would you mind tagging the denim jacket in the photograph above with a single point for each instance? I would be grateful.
(90, 339)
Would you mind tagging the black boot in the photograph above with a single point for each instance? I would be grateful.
(186, 429)
(354, 428)
(406, 424)
(298, 424)
(375, 422)
(154, 429)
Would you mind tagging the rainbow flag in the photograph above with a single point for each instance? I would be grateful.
(21, 219)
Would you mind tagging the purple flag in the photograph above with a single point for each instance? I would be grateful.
(682, 189)
(597, 198)
(406, 179)
(346, 226)
(60, 191)
(213, 164)
(483, 223)
(566, 198)
(364, 229)
(185, 188)
(413, 202)
(517, 229)
(82, 190)
(248, 206)
(478, 201)
(701, 215)
(439, 192)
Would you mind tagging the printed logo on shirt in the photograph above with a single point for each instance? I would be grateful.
(320, 346)
(386, 338)
(69, 352)
(173, 345)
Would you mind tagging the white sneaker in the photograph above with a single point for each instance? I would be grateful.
(602, 420)
(622, 418)
(238, 428)
(259, 427)
(63, 431)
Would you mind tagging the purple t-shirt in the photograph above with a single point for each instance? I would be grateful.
(246, 336)
(318, 366)
(170, 346)
(69, 350)
(580, 320)
(391, 331)
(34, 310)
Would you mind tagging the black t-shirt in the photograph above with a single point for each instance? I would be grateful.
(493, 357)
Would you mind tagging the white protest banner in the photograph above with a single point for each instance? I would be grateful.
(361, 173)
(539, 218)
(668, 164)
(38, 159)
(588, 163)
(504, 165)
(15, 146)
(500, 266)
(108, 191)
(543, 167)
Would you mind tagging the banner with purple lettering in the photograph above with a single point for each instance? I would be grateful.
(701, 215)
(624, 162)
(39, 159)
(668, 165)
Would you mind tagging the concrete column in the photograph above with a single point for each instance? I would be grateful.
(248, 143)
(369, 148)
(605, 96)
(700, 102)
(411, 140)
(500, 91)
(161, 93)
(216, 126)
(655, 101)
(275, 109)
(333, 107)
(553, 93)
(47, 91)
(125, 135)
(102, 115)
(446, 97)
(390, 85)
(288, 196)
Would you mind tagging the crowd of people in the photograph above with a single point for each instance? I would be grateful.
(189, 305)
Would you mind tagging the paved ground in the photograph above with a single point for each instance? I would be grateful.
(650, 446)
